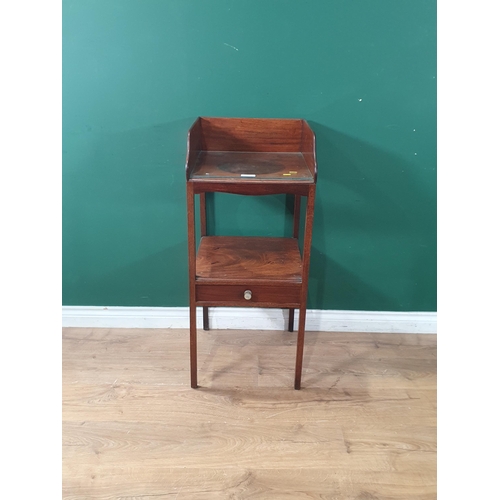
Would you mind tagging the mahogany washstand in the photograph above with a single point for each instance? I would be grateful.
(249, 156)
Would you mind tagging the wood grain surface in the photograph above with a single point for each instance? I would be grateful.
(262, 295)
(239, 259)
(251, 134)
(232, 164)
(363, 427)
(269, 148)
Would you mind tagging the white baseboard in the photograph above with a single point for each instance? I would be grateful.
(249, 318)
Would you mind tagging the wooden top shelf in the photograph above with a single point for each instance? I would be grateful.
(251, 260)
(251, 166)
(250, 150)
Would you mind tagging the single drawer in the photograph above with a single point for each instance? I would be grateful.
(249, 295)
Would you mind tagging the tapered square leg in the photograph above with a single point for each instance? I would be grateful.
(305, 275)
(300, 347)
(205, 318)
(192, 276)
(291, 313)
(193, 347)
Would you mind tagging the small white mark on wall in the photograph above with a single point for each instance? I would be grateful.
(231, 46)
(360, 100)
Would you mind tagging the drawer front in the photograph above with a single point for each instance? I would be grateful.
(249, 295)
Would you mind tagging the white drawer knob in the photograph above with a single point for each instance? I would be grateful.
(247, 294)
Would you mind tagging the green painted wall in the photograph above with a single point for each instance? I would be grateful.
(137, 73)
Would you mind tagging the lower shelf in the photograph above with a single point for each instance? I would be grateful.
(248, 272)
(248, 260)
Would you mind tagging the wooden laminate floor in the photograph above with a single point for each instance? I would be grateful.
(363, 426)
